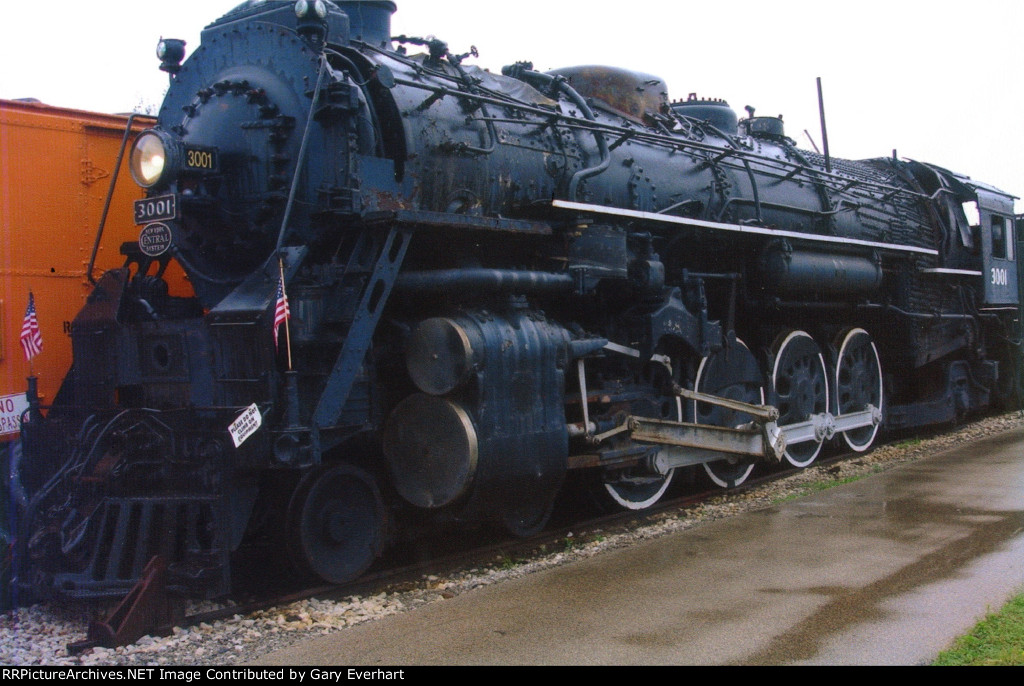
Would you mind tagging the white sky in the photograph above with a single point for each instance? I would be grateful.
(938, 81)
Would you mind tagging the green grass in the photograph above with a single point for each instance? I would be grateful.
(818, 486)
(998, 640)
(510, 562)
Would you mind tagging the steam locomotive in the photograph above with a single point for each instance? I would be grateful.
(426, 293)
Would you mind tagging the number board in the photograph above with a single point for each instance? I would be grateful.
(200, 159)
(158, 209)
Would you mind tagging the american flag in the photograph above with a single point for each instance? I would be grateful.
(281, 313)
(31, 338)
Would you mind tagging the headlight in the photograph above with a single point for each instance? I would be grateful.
(149, 159)
(301, 8)
(170, 52)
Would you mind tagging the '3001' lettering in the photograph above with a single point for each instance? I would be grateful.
(199, 159)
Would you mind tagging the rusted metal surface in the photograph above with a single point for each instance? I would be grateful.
(629, 93)
(146, 607)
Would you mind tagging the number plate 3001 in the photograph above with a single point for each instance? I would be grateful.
(163, 208)
(200, 159)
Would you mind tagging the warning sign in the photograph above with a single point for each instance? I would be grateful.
(246, 425)
(11, 409)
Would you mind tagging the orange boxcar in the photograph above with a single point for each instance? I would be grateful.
(55, 171)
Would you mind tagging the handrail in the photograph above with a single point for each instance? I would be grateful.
(110, 196)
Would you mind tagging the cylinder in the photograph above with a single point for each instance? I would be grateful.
(439, 356)
(432, 447)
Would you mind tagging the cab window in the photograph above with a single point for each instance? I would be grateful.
(1002, 238)
(970, 234)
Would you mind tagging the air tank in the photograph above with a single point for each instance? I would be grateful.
(806, 274)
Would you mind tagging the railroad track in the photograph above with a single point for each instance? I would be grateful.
(440, 555)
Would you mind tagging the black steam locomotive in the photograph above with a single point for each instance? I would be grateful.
(493, 281)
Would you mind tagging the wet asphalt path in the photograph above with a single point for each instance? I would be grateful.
(887, 570)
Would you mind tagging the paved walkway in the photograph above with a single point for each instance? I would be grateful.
(887, 570)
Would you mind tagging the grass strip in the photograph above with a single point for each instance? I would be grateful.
(997, 640)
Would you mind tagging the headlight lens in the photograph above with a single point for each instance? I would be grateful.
(148, 159)
(301, 8)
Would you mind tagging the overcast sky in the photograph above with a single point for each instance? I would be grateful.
(938, 81)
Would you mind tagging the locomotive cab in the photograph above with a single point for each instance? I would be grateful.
(998, 249)
(979, 236)
(1019, 225)
(992, 246)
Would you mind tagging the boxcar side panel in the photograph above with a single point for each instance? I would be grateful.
(55, 170)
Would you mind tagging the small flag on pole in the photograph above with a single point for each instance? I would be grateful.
(31, 338)
(281, 313)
